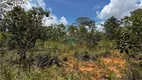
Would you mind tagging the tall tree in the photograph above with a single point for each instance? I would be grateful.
(111, 27)
(85, 21)
(25, 28)
(132, 33)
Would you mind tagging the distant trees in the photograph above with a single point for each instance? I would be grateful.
(85, 21)
(85, 31)
(55, 32)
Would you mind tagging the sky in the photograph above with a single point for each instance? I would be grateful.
(67, 11)
(71, 9)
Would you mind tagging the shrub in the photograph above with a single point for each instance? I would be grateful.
(46, 61)
(86, 56)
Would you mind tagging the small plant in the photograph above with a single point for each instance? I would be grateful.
(111, 76)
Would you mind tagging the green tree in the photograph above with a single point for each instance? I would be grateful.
(25, 28)
(85, 21)
(86, 31)
(82, 34)
(131, 33)
(111, 27)
(130, 41)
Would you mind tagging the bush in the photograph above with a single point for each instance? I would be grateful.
(86, 56)
(46, 61)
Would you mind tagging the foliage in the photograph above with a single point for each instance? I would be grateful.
(73, 30)
(86, 56)
(111, 28)
(25, 28)
(130, 38)
(55, 33)
(85, 21)
(130, 41)
(6, 5)
(4, 37)
(92, 39)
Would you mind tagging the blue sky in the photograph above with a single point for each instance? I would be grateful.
(71, 9)
(66, 11)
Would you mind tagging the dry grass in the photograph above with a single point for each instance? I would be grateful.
(98, 70)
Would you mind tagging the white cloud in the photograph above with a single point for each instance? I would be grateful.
(63, 20)
(47, 21)
(27, 6)
(98, 6)
(119, 8)
(34, 3)
(97, 12)
(87, 27)
(99, 26)
(53, 20)
(41, 3)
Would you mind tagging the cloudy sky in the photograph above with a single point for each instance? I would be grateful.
(66, 11)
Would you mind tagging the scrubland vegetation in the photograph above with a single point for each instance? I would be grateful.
(31, 51)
